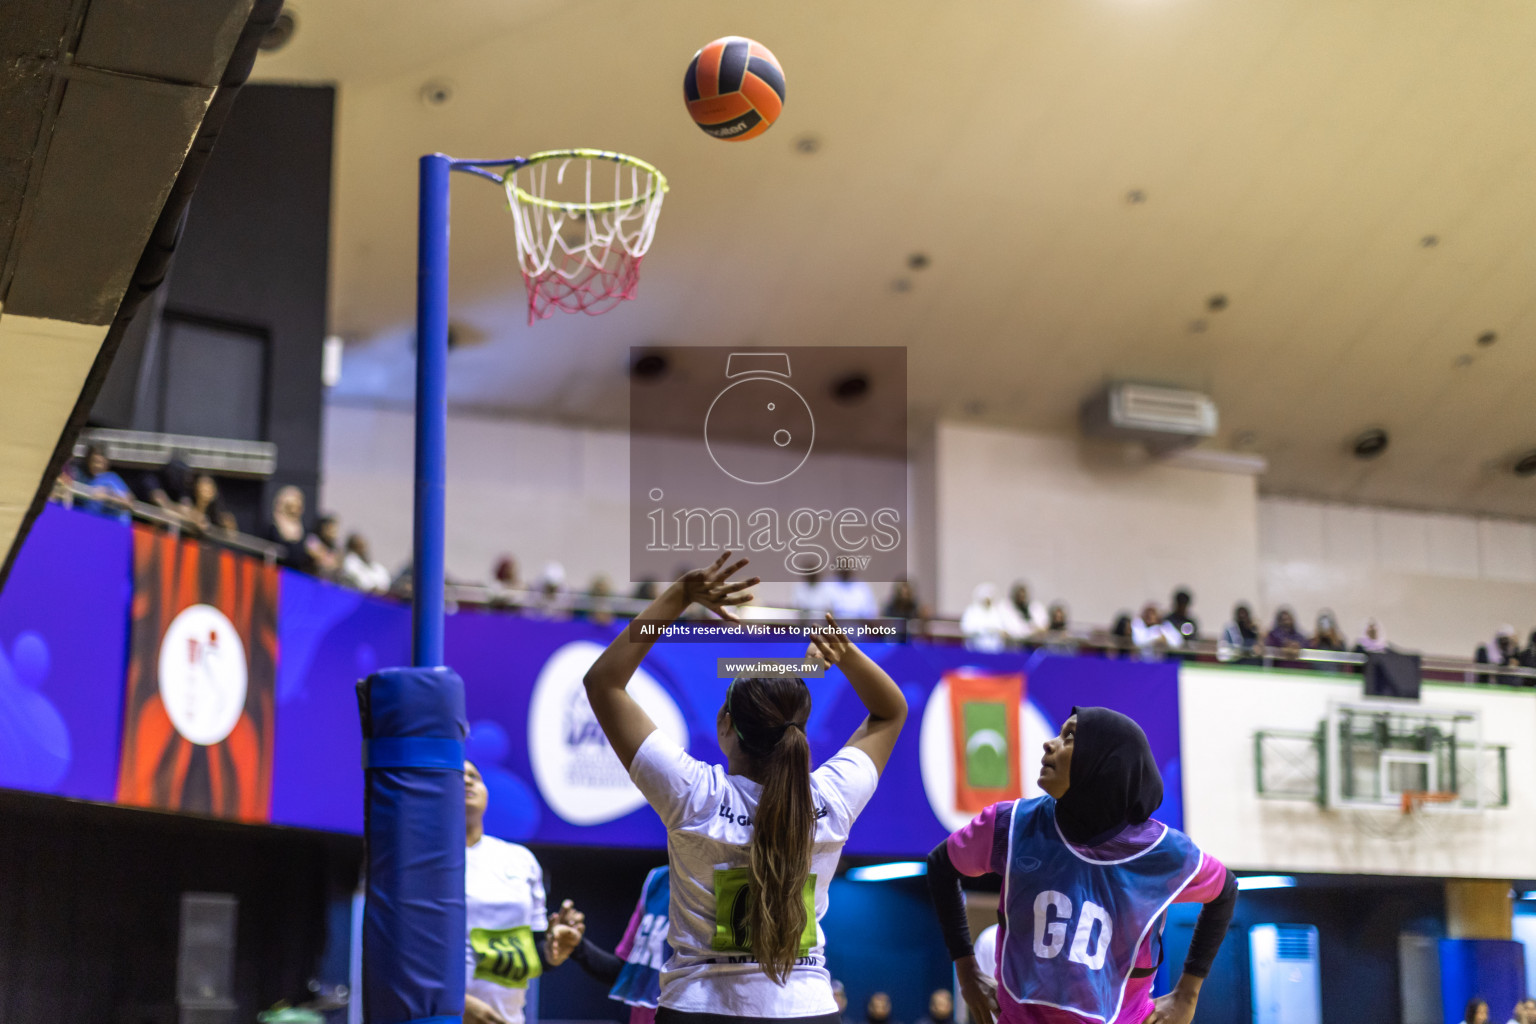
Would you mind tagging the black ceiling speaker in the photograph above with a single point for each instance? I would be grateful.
(651, 366)
(1370, 443)
(1525, 465)
(850, 388)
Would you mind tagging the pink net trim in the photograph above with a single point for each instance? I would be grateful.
(574, 285)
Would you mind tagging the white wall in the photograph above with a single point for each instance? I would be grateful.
(538, 492)
(1088, 524)
(1085, 524)
(1220, 710)
(1437, 583)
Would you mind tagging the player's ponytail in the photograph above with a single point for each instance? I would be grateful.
(769, 715)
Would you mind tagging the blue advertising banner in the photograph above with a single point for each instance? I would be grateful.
(63, 646)
(553, 779)
(974, 733)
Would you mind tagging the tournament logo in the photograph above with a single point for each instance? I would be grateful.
(203, 674)
(578, 774)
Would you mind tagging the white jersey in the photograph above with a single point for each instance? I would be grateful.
(709, 815)
(505, 919)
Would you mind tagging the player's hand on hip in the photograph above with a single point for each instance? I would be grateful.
(830, 645)
(713, 588)
(478, 1011)
(980, 995)
(1172, 1008)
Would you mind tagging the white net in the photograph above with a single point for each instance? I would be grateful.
(584, 219)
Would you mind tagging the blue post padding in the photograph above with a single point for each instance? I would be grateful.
(413, 924)
(413, 752)
(1489, 969)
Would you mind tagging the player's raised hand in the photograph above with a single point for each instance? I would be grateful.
(713, 588)
(565, 931)
(831, 645)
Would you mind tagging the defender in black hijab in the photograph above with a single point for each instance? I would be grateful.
(1102, 787)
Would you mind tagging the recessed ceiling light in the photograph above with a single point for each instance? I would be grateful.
(1525, 465)
(1216, 303)
(1429, 241)
(1135, 196)
(808, 144)
(901, 284)
(1463, 361)
(436, 92)
(1198, 326)
(1370, 443)
(1487, 338)
(918, 261)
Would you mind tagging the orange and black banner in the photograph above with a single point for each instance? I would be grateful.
(202, 669)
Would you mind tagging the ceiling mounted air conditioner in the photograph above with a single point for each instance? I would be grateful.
(1164, 419)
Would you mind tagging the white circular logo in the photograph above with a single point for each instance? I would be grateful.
(936, 754)
(202, 674)
(579, 775)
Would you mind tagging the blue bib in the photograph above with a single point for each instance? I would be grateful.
(1075, 926)
(639, 981)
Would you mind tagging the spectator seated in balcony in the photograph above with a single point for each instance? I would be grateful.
(1240, 640)
(986, 625)
(598, 606)
(902, 604)
(852, 599)
(206, 511)
(506, 588)
(1180, 618)
(1120, 642)
(812, 596)
(1372, 640)
(1029, 616)
(358, 569)
(645, 590)
(549, 600)
(299, 548)
(1284, 634)
(106, 493)
(1057, 636)
(170, 486)
(1327, 637)
(326, 548)
(1528, 656)
(1503, 650)
(1152, 636)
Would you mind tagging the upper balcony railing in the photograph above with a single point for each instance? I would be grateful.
(1080, 639)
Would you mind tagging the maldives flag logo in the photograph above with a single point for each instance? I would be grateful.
(984, 710)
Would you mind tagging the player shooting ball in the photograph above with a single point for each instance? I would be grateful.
(1088, 876)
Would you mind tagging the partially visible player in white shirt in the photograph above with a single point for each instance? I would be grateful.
(509, 938)
(752, 845)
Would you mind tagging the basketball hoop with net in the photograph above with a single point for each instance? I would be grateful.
(583, 220)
